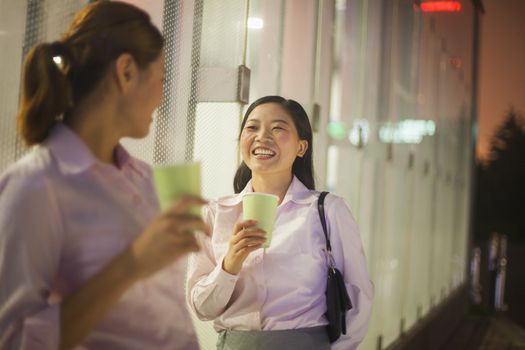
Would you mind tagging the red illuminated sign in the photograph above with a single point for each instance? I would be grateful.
(455, 62)
(440, 6)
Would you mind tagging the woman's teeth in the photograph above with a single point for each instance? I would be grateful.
(263, 152)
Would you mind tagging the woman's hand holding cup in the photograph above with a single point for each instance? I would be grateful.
(170, 236)
(246, 238)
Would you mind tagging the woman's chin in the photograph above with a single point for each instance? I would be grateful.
(260, 167)
(139, 134)
(262, 170)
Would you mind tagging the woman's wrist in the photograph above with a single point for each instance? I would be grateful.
(130, 266)
(229, 269)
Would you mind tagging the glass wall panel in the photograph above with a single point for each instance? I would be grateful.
(265, 35)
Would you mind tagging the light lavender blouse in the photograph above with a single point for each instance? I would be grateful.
(63, 216)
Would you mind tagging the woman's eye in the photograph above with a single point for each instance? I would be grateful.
(251, 127)
(277, 128)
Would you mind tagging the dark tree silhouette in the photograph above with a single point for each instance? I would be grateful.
(500, 186)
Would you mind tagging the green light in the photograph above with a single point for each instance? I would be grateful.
(336, 130)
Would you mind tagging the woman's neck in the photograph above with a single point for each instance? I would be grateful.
(94, 127)
(276, 184)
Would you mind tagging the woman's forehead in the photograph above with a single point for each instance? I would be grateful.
(272, 112)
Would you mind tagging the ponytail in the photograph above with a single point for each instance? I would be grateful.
(46, 92)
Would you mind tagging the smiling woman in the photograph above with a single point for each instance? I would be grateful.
(272, 296)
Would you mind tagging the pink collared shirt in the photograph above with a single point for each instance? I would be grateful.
(283, 286)
(63, 216)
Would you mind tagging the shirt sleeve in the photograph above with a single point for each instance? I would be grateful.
(30, 245)
(349, 256)
(209, 287)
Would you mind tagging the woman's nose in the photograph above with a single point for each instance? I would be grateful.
(262, 134)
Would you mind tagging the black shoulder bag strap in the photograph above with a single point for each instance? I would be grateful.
(344, 303)
(320, 206)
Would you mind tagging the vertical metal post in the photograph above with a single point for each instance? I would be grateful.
(195, 65)
(501, 268)
(165, 115)
(379, 344)
(492, 267)
(475, 285)
(32, 36)
(473, 122)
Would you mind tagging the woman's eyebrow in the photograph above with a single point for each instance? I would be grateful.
(272, 121)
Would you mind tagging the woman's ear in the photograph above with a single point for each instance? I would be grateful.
(303, 147)
(126, 71)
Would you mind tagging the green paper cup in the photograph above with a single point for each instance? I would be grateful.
(175, 181)
(261, 207)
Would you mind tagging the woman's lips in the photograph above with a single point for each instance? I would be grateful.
(263, 153)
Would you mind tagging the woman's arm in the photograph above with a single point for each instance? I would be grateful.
(209, 287)
(170, 236)
(31, 240)
(351, 260)
(84, 308)
(211, 283)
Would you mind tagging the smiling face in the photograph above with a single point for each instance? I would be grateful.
(151, 89)
(143, 95)
(269, 141)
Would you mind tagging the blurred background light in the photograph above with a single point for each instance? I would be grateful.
(407, 131)
(336, 130)
(360, 132)
(255, 23)
(440, 6)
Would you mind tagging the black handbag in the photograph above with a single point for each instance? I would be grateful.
(337, 300)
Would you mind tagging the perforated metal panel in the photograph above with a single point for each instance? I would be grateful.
(22, 25)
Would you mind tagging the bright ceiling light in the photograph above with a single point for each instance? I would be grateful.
(255, 23)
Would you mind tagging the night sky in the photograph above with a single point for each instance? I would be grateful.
(502, 66)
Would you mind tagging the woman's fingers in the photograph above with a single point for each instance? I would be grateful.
(248, 242)
(190, 245)
(182, 205)
(246, 238)
(249, 249)
(240, 225)
(251, 231)
(189, 223)
(165, 240)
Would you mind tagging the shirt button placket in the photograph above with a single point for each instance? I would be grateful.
(261, 284)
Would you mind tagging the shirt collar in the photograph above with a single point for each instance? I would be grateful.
(72, 154)
(297, 192)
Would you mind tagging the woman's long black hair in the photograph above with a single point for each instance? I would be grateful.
(302, 167)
